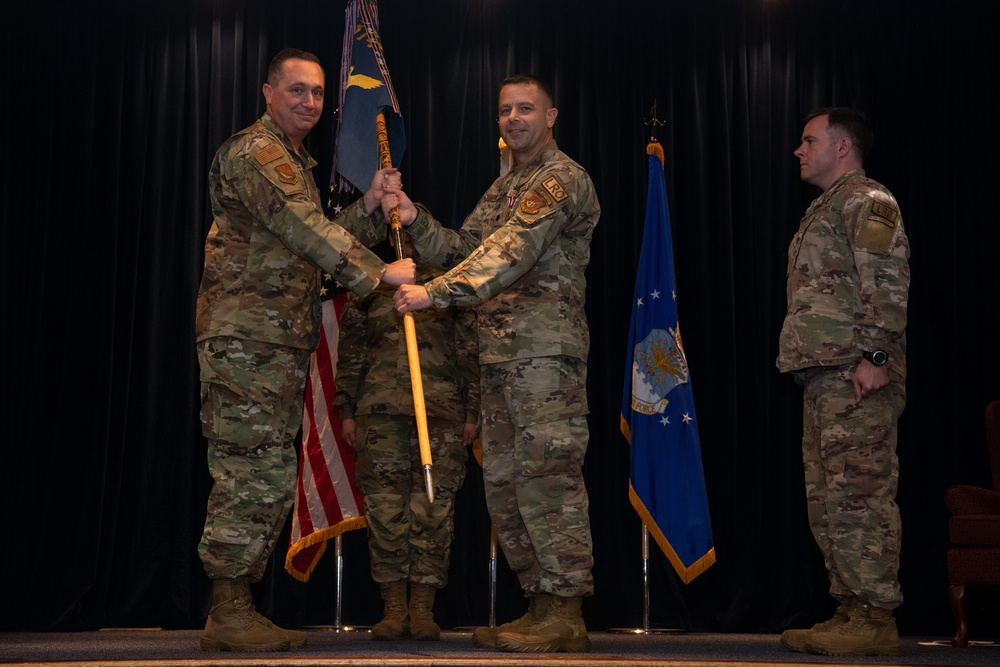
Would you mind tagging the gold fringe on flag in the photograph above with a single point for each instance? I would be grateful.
(654, 148)
(506, 157)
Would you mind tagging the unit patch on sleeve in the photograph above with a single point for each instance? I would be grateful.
(883, 213)
(533, 202)
(286, 173)
(555, 188)
(877, 227)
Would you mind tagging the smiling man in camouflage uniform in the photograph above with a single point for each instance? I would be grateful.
(520, 258)
(843, 339)
(258, 316)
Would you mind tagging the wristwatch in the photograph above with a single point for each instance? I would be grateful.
(877, 357)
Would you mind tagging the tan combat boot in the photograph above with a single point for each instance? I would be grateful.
(869, 631)
(560, 629)
(486, 637)
(234, 625)
(393, 625)
(296, 638)
(798, 640)
(422, 625)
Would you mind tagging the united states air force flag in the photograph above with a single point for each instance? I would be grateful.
(667, 483)
(365, 88)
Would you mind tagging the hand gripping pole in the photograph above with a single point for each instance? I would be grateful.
(409, 328)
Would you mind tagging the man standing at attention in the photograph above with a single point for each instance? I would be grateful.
(520, 258)
(409, 537)
(843, 339)
(258, 317)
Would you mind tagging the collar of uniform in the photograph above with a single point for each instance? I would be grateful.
(837, 184)
(543, 157)
(302, 154)
(844, 178)
(514, 181)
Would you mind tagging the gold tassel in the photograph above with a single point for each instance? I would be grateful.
(506, 157)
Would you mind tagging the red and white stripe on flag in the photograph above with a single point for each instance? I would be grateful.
(326, 502)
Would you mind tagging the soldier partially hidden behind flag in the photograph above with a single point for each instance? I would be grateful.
(525, 248)
(409, 537)
(843, 339)
(258, 317)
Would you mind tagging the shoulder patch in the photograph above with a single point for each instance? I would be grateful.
(533, 202)
(286, 173)
(269, 154)
(555, 188)
(877, 227)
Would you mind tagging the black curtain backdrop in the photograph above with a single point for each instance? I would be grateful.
(113, 110)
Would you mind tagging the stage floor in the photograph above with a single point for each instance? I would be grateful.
(328, 647)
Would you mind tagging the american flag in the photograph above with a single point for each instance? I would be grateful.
(327, 503)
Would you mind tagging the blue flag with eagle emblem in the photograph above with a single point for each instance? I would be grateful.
(667, 482)
(365, 88)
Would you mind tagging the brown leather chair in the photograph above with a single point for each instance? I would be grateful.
(974, 531)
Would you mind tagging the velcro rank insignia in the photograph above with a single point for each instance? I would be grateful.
(877, 228)
(286, 173)
(555, 188)
(269, 154)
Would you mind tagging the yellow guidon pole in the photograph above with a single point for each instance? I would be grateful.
(409, 328)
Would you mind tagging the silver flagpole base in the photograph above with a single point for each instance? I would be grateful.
(645, 629)
(338, 551)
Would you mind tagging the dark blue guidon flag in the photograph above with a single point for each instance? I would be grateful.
(667, 485)
(365, 88)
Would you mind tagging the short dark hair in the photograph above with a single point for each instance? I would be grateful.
(850, 122)
(274, 69)
(530, 79)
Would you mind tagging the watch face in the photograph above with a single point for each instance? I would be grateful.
(878, 357)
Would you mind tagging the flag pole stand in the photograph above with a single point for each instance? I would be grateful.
(645, 629)
(492, 584)
(338, 559)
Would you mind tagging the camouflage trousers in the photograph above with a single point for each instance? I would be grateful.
(251, 410)
(851, 475)
(408, 537)
(534, 441)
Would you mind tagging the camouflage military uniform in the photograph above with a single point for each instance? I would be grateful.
(848, 282)
(257, 320)
(408, 537)
(520, 257)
